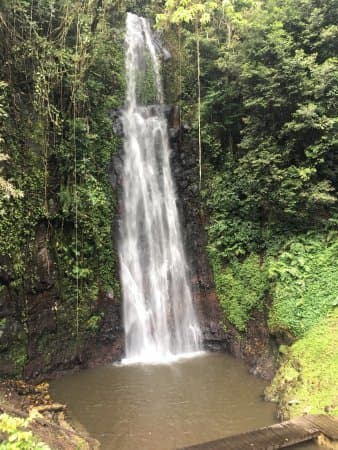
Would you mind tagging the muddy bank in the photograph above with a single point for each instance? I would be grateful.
(48, 420)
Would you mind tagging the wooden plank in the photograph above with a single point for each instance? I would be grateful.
(268, 439)
(289, 433)
(328, 425)
(247, 441)
(258, 440)
(276, 436)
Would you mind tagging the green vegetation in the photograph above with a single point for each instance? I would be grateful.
(63, 73)
(146, 90)
(257, 83)
(269, 126)
(301, 278)
(305, 307)
(18, 437)
(199, 14)
(306, 381)
(268, 90)
(306, 287)
(241, 288)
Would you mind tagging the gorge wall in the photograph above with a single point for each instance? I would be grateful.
(59, 293)
(185, 172)
(184, 163)
(60, 235)
(256, 346)
(36, 339)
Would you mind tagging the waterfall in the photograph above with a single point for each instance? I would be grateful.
(159, 318)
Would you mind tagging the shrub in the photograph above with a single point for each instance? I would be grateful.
(18, 437)
(305, 277)
(241, 287)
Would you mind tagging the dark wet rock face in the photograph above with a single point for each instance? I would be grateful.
(255, 347)
(35, 341)
(184, 164)
(43, 266)
(5, 274)
(117, 125)
(52, 349)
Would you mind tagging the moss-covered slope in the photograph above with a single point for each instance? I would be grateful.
(307, 380)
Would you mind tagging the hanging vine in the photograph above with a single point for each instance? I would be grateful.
(61, 66)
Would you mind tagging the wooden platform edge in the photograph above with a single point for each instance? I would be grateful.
(281, 435)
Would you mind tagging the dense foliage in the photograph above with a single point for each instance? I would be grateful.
(305, 277)
(17, 435)
(269, 96)
(269, 120)
(257, 83)
(241, 288)
(61, 75)
(306, 382)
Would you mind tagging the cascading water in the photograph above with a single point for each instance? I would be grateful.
(159, 318)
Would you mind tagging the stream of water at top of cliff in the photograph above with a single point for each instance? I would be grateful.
(159, 319)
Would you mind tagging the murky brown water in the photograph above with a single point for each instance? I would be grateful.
(165, 407)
